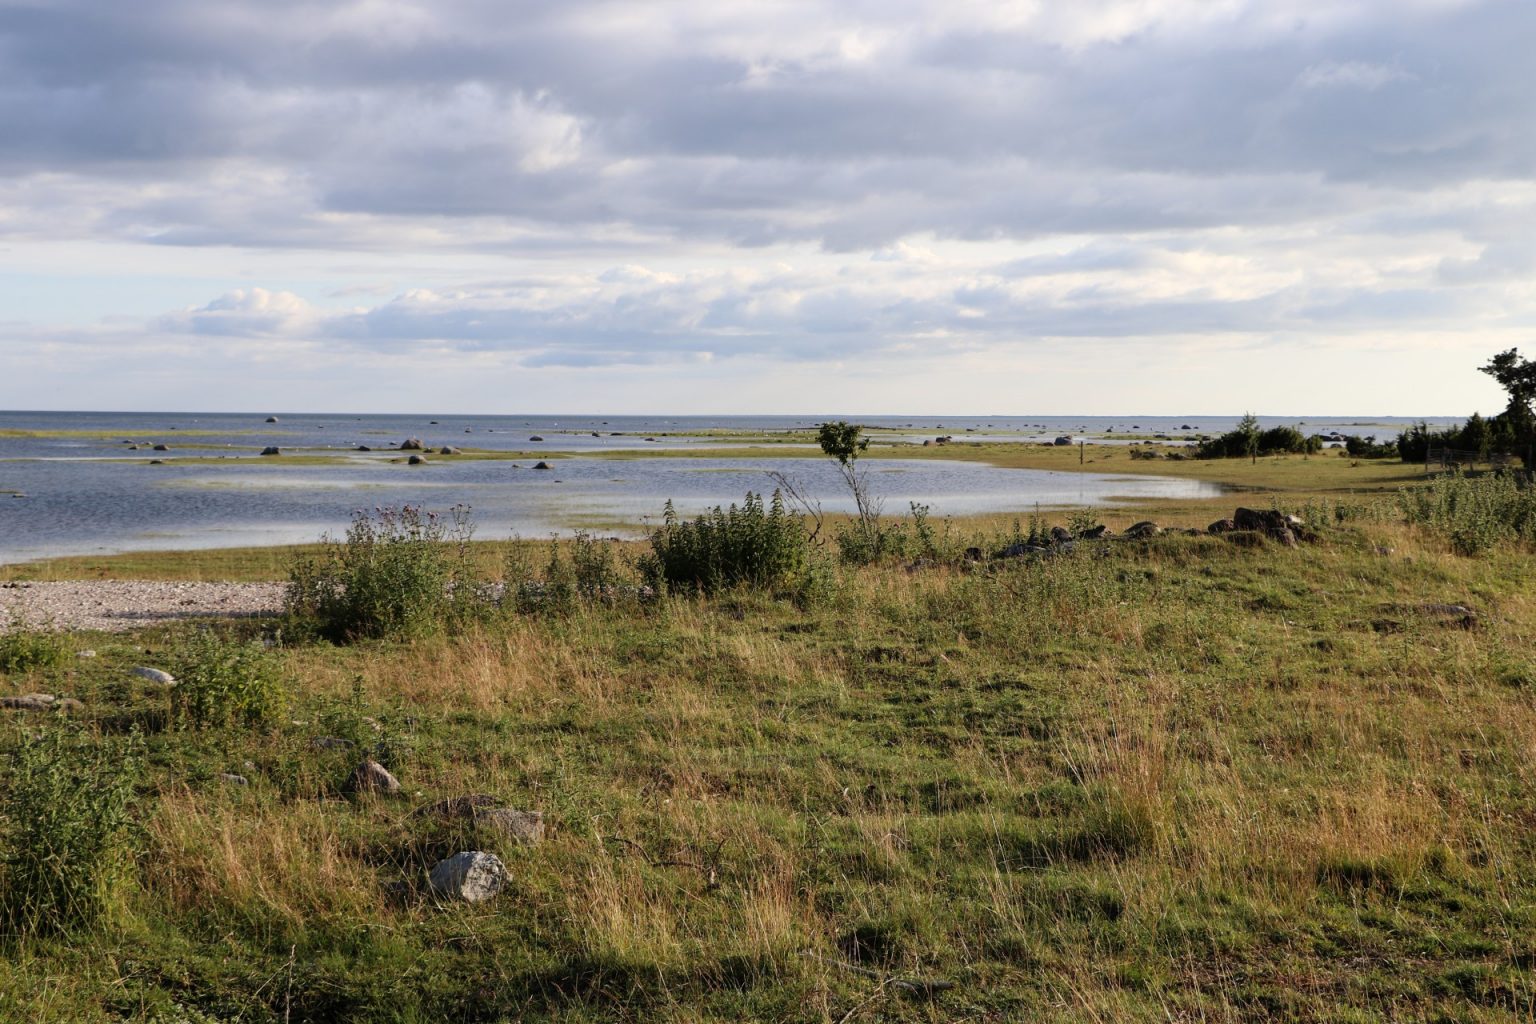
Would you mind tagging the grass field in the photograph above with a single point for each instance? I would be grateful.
(1178, 779)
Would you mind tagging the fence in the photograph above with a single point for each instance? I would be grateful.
(1447, 459)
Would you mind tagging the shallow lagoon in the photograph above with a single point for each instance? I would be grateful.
(98, 505)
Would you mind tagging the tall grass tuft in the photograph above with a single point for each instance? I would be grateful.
(66, 816)
(400, 571)
(751, 543)
(1474, 513)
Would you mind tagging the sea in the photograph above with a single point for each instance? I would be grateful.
(81, 483)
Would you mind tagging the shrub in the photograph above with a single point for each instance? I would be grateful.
(66, 844)
(399, 571)
(750, 543)
(584, 570)
(1474, 513)
(222, 680)
(23, 650)
(1248, 440)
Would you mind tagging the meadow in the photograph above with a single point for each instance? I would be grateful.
(1176, 778)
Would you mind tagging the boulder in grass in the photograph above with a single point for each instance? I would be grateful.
(1221, 526)
(470, 875)
(449, 449)
(456, 806)
(416, 460)
(28, 702)
(159, 677)
(518, 826)
(1142, 530)
(372, 777)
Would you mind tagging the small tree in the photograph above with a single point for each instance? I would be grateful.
(1518, 378)
(844, 442)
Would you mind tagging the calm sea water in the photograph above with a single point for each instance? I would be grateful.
(81, 490)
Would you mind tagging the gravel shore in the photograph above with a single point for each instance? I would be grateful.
(118, 605)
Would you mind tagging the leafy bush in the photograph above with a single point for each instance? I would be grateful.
(66, 843)
(399, 571)
(1474, 513)
(222, 680)
(1357, 447)
(750, 543)
(584, 570)
(864, 542)
(23, 650)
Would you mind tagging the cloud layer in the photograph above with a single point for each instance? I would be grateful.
(606, 183)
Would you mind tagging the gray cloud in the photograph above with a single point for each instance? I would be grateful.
(738, 125)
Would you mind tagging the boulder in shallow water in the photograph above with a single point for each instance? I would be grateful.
(271, 449)
(411, 444)
(416, 460)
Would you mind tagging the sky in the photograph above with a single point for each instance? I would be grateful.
(1005, 207)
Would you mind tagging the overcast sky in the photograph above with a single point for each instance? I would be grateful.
(712, 206)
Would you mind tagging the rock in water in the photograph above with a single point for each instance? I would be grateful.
(271, 419)
(411, 444)
(448, 449)
(541, 465)
(154, 675)
(372, 777)
(519, 826)
(471, 876)
(416, 460)
(271, 449)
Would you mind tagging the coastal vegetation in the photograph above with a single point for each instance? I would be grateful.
(1177, 776)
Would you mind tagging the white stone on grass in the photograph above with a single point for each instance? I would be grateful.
(472, 876)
